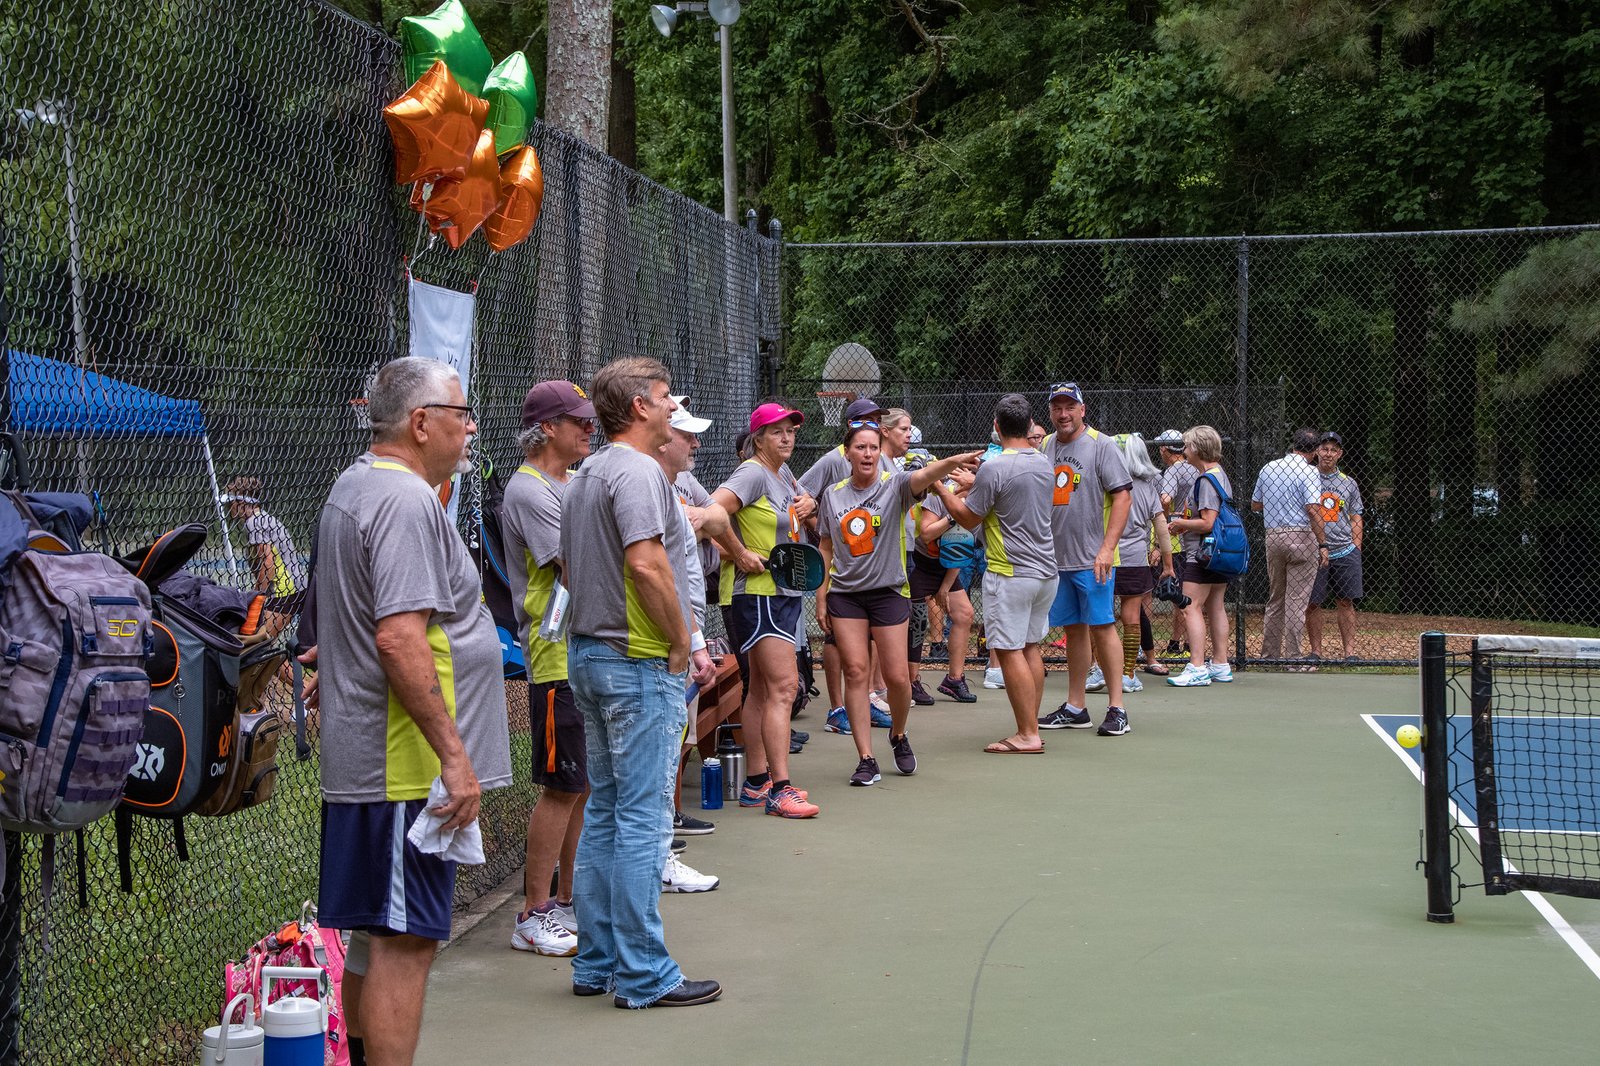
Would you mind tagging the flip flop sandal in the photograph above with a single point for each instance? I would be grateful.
(1005, 747)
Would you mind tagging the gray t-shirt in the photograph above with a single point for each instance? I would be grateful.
(1087, 471)
(619, 497)
(867, 528)
(764, 520)
(1340, 498)
(691, 492)
(530, 519)
(691, 568)
(1203, 498)
(1011, 493)
(386, 547)
(1134, 547)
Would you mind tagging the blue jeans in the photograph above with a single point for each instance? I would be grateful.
(633, 719)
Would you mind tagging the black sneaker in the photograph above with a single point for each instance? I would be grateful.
(866, 773)
(1172, 648)
(690, 826)
(1064, 717)
(905, 760)
(678, 844)
(956, 688)
(938, 650)
(799, 735)
(919, 695)
(1115, 725)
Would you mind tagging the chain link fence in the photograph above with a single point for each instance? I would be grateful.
(203, 261)
(1455, 368)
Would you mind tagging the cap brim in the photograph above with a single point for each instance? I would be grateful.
(691, 424)
(583, 410)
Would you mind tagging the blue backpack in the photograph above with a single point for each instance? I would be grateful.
(1229, 546)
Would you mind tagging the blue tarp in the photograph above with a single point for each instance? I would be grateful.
(52, 398)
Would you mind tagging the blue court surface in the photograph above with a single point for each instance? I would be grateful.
(1547, 768)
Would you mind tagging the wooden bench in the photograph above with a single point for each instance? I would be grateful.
(719, 703)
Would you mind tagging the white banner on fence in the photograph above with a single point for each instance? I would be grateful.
(441, 328)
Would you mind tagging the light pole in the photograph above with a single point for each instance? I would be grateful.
(724, 13)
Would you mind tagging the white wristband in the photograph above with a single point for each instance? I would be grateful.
(697, 641)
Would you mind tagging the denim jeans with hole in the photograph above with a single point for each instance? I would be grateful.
(633, 719)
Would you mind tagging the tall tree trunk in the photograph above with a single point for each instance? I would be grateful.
(622, 139)
(572, 254)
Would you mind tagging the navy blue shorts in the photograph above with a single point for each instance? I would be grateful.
(752, 618)
(373, 878)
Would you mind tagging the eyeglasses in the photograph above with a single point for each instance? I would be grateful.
(465, 410)
(859, 422)
(585, 424)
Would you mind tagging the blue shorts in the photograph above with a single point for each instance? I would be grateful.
(373, 878)
(1081, 600)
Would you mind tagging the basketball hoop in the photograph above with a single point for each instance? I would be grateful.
(832, 404)
(358, 407)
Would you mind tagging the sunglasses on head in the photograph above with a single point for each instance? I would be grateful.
(857, 423)
(1064, 387)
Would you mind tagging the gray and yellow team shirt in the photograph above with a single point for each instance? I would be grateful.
(263, 528)
(1087, 471)
(691, 492)
(1134, 547)
(530, 518)
(867, 530)
(617, 498)
(386, 547)
(1339, 499)
(1177, 481)
(764, 520)
(833, 467)
(1011, 493)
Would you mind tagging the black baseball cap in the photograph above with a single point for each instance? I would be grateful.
(1331, 435)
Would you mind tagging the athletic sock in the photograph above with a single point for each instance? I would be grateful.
(779, 786)
(1147, 635)
(757, 780)
(358, 1050)
(1130, 650)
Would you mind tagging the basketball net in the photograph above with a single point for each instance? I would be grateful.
(833, 404)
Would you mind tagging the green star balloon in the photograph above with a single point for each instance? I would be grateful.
(447, 34)
(512, 101)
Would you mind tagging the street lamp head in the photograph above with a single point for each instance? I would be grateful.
(664, 18)
(724, 12)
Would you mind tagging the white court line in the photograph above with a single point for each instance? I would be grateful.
(1581, 947)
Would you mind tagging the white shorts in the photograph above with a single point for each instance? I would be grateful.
(1016, 610)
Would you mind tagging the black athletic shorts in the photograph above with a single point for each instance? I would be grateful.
(1342, 577)
(560, 753)
(926, 575)
(753, 618)
(1177, 568)
(876, 607)
(1196, 574)
(1133, 580)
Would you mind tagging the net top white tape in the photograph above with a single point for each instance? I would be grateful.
(1546, 647)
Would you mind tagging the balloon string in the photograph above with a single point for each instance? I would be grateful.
(417, 249)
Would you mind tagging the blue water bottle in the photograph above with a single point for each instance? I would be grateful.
(711, 784)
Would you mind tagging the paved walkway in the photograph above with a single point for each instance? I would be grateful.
(1231, 882)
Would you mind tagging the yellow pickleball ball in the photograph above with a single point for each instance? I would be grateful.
(1409, 736)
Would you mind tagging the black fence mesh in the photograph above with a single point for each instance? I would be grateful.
(1449, 363)
(203, 260)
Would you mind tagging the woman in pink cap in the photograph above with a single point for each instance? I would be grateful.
(767, 508)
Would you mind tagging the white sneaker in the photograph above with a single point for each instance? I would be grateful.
(1220, 672)
(568, 917)
(879, 700)
(1192, 677)
(541, 932)
(993, 678)
(678, 877)
(1131, 683)
(1097, 679)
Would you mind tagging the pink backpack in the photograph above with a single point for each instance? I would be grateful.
(299, 943)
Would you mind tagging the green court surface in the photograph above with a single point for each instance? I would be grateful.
(1231, 882)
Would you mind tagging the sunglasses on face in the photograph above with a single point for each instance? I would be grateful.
(585, 424)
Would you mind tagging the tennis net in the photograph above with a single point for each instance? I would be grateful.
(1512, 755)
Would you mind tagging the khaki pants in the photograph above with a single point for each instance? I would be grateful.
(1292, 569)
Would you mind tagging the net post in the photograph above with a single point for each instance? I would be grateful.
(1436, 779)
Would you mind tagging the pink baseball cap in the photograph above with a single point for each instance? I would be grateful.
(768, 413)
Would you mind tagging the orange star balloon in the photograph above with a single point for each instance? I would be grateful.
(435, 126)
(521, 194)
(459, 206)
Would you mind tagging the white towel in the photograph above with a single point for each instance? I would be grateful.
(428, 835)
